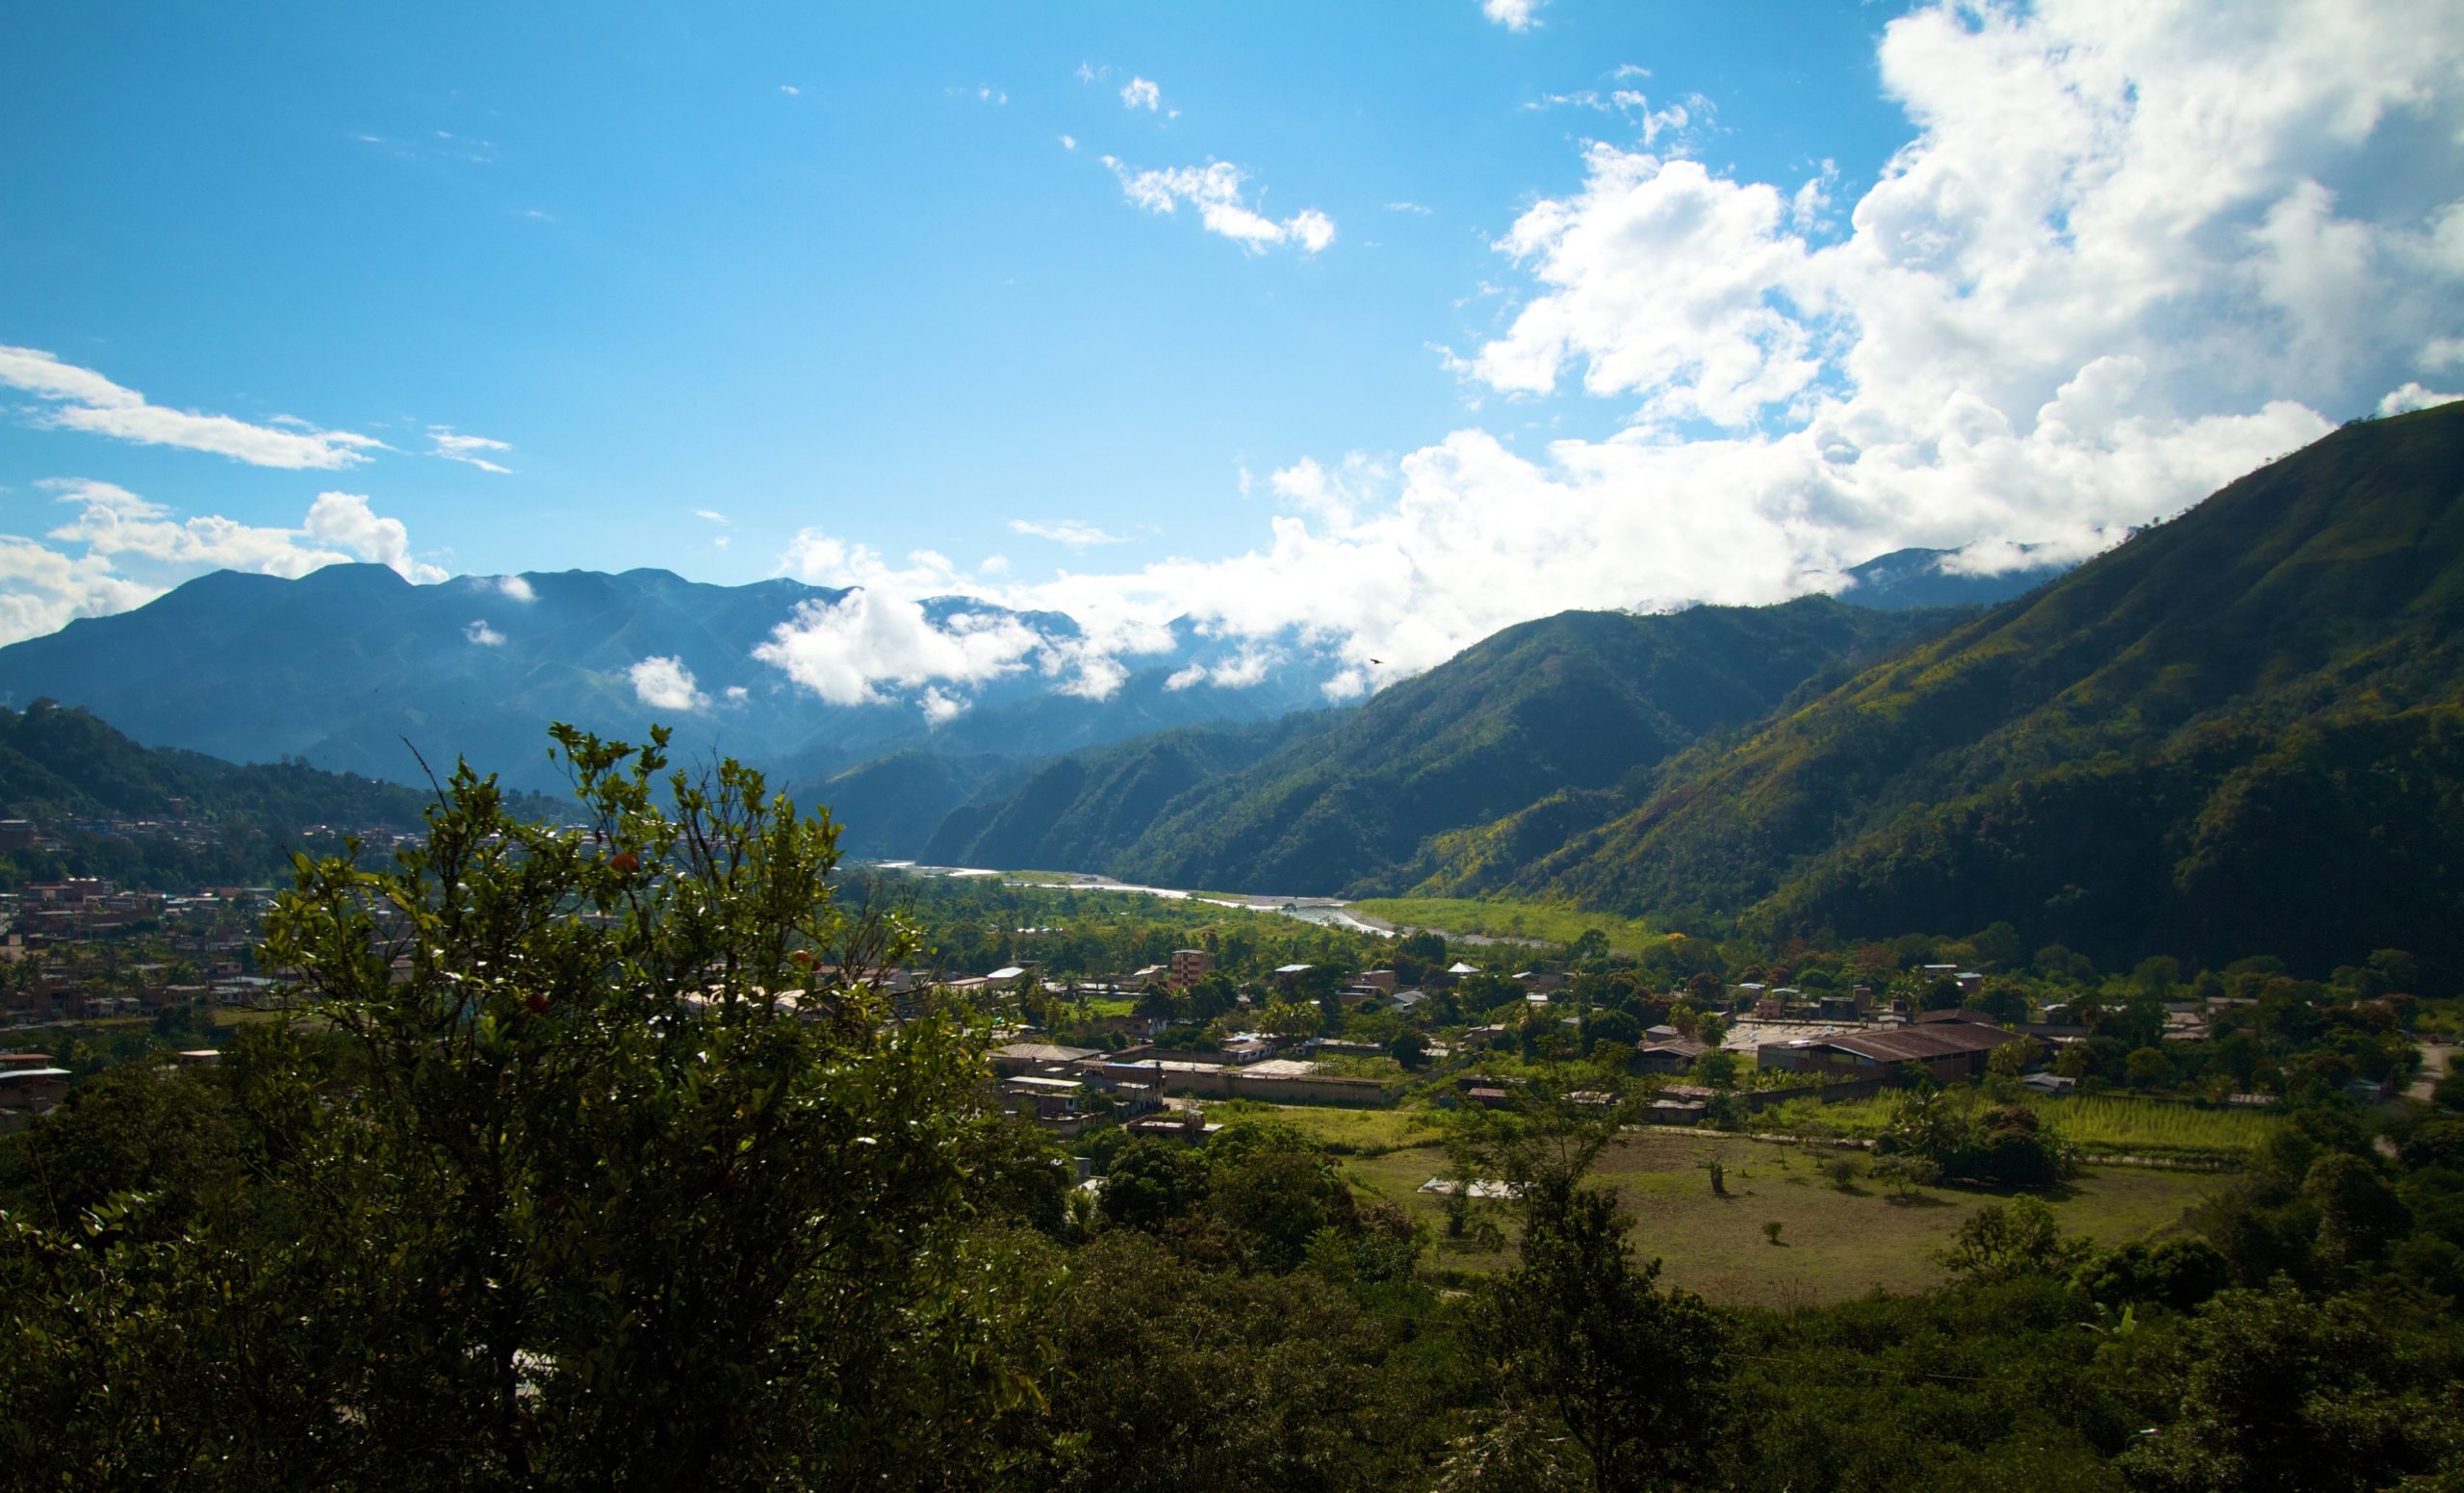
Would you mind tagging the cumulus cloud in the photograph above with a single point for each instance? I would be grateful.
(666, 685)
(1141, 94)
(1068, 531)
(79, 399)
(1512, 14)
(469, 450)
(479, 633)
(2124, 255)
(845, 651)
(512, 587)
(1215, 190)
(346, 519)
(2412, 397)
(1244, 669)
(115, 550)
(1330, 494)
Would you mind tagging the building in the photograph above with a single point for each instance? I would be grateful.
(1670, 1054)
(1949, 1050)
(1191, 966)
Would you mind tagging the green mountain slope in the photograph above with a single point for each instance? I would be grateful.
(2235, 733)
(1582, 701)
(1082, 810)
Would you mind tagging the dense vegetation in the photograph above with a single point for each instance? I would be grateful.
(1582, 701)
(575, 1201)
(2238, 731)
(63, 768)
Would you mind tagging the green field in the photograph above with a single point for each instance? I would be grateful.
(1500, 919)
(2101, 1124)
(1834, 1244)
(1349, 1132)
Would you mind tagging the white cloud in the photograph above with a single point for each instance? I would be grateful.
(469, 450)
(1512, 14)
(1407, 207)
(1068, 531)
(479, 633)
(844, 650)
(709, 516)
(1141, 94)
(666, 685)
(2125, 255)
(789, 89)
(346, 519)
(737, 694)
(1244, 669)
(120, 551)
(1333, 495)
(83, 399)
(1069, 143)
(2412, 397)
(1214, 190)
(512, 587)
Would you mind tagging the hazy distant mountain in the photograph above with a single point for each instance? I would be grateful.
(1340, 802)
(2242, 732)
(344, 665)
(1917, 577)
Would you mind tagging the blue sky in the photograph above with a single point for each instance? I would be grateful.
(770, 289)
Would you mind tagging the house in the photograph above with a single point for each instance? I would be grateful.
(1670, 1054)
(1190, 965)
(1540, 982)
(33, 1090)
(1287, 976)
(1380, 979)
(1949, 1050)
(1025, 1057)
(1247, 1049)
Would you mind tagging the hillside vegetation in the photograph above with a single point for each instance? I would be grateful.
(1581, 701)
(2238, 731)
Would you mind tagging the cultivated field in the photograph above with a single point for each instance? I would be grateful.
(2101, 1124)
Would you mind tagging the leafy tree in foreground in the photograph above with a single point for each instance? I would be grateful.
(585, 1185)
(1588, 1348)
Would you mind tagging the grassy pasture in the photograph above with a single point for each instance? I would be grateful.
(1833, 1244)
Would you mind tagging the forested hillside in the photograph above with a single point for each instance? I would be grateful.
(170, 819)
(1580, 701)
(65, 764)
(2238, 731)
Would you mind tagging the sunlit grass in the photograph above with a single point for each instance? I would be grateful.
(1545, 921)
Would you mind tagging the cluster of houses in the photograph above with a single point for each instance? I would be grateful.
(56, 936)
(1841, 1044)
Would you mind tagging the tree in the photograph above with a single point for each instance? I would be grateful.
(2008, 1240)
(2149, 1067)
(577, 1192)
(2280, 1393)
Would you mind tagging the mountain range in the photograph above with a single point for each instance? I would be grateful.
(2239, 731)
(353, 669)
